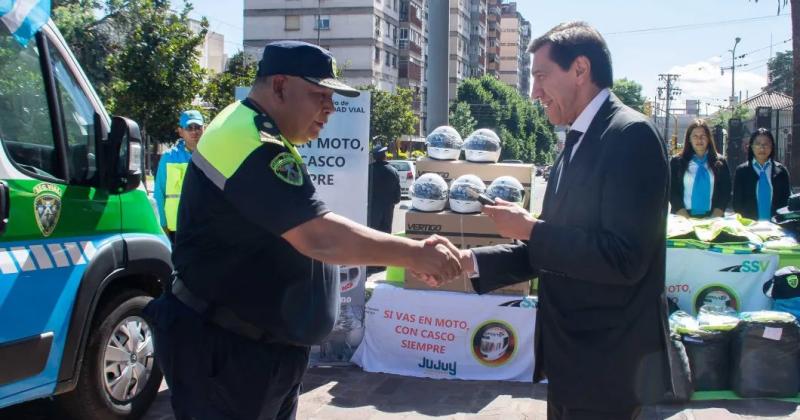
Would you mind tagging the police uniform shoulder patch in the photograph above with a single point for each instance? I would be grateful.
(47, 207)
(287, 169)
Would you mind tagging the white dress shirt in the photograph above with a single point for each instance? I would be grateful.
(582, 124)
(688, 184)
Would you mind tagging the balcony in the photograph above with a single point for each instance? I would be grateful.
(409, 70)
(413, 47)
(412, 16)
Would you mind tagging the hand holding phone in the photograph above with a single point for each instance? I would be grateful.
(482, 198)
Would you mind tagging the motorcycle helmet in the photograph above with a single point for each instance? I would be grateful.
(507, 188)
(482, 145)
(460, 199)
(494, 343)
(429, 193)
(444, 143)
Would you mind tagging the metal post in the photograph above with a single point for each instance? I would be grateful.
(438, 61)
(733, 73)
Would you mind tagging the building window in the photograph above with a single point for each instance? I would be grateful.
(377, 55)
(403, 33)
(292, 23)
(378, 24)
(395, 4)
(323, 23)
(394, 60)
(388, 61)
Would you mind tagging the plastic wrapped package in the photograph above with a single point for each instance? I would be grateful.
(764, 355)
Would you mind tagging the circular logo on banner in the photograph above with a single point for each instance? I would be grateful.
(494, 343)
(716, 295)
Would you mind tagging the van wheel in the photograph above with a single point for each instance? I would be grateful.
(119, 378)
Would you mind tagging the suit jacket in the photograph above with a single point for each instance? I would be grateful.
(744, 189)
(599, 251)
(720, 196)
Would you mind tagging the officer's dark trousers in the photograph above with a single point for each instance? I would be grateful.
(382, 220)
(216, 374)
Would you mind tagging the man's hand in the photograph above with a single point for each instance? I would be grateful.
(682, 212)
(437, 262)
(464, 258)
(717, 213)
(512, 221)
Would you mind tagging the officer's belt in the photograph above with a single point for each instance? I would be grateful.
(218, 315)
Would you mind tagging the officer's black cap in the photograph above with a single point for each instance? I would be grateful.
(301, 59)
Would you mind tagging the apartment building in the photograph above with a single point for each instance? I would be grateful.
(413, 46)
(212, 51)
(363, 35)
(514, 60)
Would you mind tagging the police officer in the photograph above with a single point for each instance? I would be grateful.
(172, 167)
(253, 289)
(384, 191)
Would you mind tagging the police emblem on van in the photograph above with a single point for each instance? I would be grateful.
(47, 207)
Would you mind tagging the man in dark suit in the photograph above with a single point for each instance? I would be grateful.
(598, 247)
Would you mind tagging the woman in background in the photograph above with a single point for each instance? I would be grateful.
(701, 180)
(761, 185)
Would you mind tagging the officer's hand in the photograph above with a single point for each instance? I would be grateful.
(512, 221)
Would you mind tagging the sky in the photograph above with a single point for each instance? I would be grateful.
(646, 38)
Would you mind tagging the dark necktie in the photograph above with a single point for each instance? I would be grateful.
(572, 138)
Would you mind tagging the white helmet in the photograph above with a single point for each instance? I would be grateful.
(482, 145)
(460, 200)
(444, 143)
(429, 193)
(494, 343)
(507, 188)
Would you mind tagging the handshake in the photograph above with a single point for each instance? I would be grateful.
(439, 261)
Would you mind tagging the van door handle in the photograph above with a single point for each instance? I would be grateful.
(5, 202)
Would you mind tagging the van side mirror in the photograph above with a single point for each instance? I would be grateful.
(124, 156)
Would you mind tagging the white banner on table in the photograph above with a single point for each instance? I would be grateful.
(448, 335)
(694, 277)
(338, 163)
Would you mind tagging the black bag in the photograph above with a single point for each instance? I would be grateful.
(764, 358)
(709, 359)
(681, 388)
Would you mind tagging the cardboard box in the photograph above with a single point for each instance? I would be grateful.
(487, 172)
(464, 231)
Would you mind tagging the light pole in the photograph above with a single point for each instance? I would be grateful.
(733, 72)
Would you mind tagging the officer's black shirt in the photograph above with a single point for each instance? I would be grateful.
(229, 249)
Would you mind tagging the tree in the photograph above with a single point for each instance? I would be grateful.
(630, 93)
(724, 115)
(157, 73)
(522, 127)
(220, 89)
(461, 119)
(391, 114)
(94, 30)
(780, 73)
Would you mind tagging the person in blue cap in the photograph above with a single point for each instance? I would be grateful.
(254, 285)
(172, 167)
